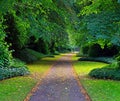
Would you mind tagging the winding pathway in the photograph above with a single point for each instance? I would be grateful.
(59, 84)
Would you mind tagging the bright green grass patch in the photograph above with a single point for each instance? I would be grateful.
(16, 89)
(99, 90)
(84, 67)
(102, 90)
(42, 65)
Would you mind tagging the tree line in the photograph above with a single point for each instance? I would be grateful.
(31, 28)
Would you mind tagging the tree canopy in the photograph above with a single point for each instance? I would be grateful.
(48, 26)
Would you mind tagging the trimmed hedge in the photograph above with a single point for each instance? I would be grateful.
(111, 71)
(105, 73)
(97, 59)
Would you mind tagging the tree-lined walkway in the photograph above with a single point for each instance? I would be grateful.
(59, 84)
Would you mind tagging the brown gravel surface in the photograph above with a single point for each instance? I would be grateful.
(59, 84)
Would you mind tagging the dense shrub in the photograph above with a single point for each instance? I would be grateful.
(17, 63)
(56, 53)
(29, 55)
(118, 58)
(85, 49)
(13, 72)
(40, 45)
(16, 68)
(5, 54)
(110, 50)
(95, 50)
(111, 71)
(7, 65)
(97, 59)
(16, 31)
(106, 73)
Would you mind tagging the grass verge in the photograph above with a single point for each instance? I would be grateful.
(102, 90)
(84, 67)
(99, 90)
(16, 89)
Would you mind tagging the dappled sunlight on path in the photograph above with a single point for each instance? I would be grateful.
(59, 84)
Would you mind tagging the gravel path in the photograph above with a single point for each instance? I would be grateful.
(59, 84)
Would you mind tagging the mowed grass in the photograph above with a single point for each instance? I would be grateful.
(102, 90)
(84, 67)
(38, 68)
(16, 89)
(98, 90)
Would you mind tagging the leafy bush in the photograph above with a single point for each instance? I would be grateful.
(17, 63)
(5, 54)
(111, 71)
(13, 72)
(29, 55)
(95, 50)
(16, 31)
(106, 73)
(110, 50)
(85, 49)
(118, 58)
(97, 59)
(16, 68)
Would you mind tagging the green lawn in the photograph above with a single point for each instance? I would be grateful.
(99, 90)
(102, 90)
(84, 67)
(16, 89)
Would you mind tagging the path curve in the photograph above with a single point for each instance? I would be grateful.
(59, 84)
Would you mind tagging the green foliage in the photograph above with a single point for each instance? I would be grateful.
(98, 59)
(105, 73)
(98, 22)
(6, 5)
(111, 71)
(85, 49)
(95, 50)
(118, 58)
(47, 26)
(29, 55)
(16, 31)
(12, 72)
(40, 45)
(39, 25)
(5, 54)
(17, 63)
